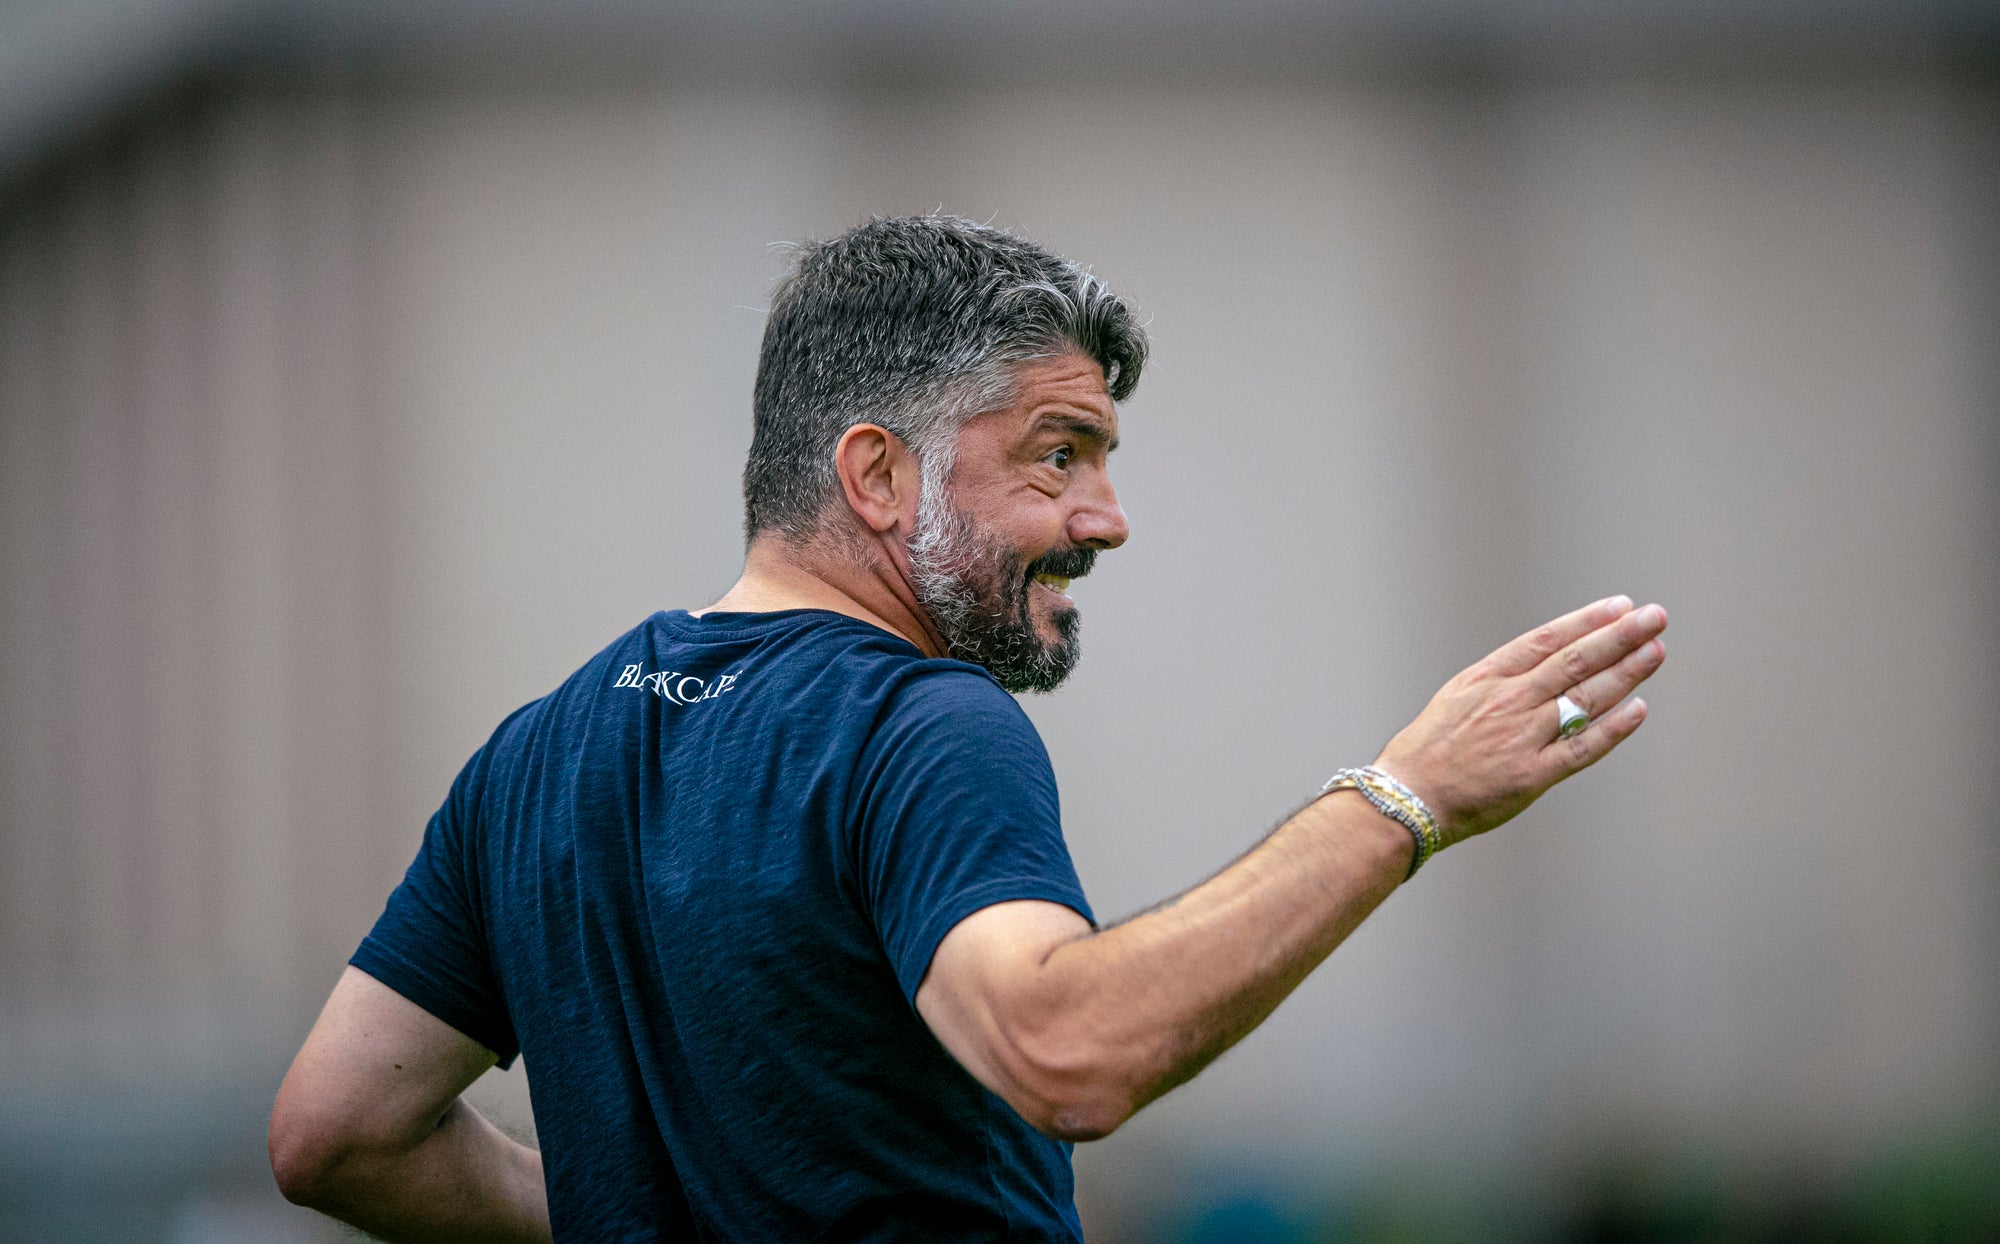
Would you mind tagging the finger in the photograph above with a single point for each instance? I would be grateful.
(1602, 690)
(1523, 654)
(1601, 649)
(1573, 755)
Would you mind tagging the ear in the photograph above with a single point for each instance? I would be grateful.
(879, 474)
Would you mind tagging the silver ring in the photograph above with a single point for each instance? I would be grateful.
(1570, 719)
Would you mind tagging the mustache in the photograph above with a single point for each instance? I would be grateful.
(1069, 563)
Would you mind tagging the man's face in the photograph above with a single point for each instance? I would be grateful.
(1028, 506)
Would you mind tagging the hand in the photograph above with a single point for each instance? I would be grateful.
(1485, 747)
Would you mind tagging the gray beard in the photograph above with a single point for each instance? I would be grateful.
(976, 593)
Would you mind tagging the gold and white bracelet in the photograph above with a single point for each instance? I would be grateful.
(1397, 802)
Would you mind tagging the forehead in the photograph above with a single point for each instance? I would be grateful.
(1067, 391)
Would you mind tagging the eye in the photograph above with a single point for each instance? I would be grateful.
(1059, 458)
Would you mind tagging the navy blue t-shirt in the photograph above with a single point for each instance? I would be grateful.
(697, 887)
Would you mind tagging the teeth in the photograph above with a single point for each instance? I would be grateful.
(1057, 582)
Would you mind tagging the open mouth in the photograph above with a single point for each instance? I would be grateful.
(1056, 570)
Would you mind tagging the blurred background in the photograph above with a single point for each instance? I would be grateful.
(366, 366)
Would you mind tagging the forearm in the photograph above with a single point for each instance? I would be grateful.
(465, 1180)
(1144, 1005)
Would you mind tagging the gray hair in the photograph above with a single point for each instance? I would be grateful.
(915, 324)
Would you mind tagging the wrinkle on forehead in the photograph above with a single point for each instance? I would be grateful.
(1072, 384)
(1068, 389)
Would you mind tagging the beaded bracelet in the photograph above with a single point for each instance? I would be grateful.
(1431, 836)
(1397, 802)
(1396, 811)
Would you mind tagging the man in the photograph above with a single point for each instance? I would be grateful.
(773, 896)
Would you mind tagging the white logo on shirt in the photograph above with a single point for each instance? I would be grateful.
(675, 686)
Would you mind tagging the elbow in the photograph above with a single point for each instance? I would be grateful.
(1072, 1089)
(302, 1168)
(310, 1157)
(1082, 1120)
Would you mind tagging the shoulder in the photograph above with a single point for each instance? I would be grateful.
(945, 694)
(947, 716)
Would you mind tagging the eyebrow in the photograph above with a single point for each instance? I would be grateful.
(1086, 429)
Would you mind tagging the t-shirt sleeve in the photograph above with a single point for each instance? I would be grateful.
(430, 943)
(957, 811)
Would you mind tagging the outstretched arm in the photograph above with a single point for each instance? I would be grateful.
(369, 1127)
(1078, 1029)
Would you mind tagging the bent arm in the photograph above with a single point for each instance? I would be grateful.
(370, 1129)
(1077, 1030)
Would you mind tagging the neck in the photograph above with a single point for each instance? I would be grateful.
(874, 587)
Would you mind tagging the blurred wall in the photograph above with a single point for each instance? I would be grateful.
(336, 420)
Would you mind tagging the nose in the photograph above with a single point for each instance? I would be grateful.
(1099, 522)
